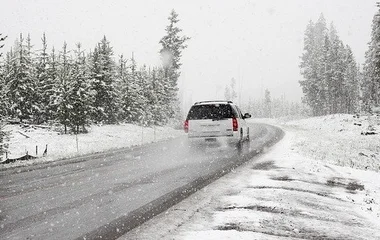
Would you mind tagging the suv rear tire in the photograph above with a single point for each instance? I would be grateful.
(241, 140)
(248, 137)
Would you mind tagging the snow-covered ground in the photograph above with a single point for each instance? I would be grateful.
(99, 138)
(320, 182)
(296, 190)
(340, 140)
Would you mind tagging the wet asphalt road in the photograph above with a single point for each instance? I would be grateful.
(105, 195)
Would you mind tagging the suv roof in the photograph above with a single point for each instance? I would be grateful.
(213, 102)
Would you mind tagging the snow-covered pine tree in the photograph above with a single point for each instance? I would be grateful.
(172, 45)
(279, 107)
(145, 84)
(321, 87)
(324, 66)
(122, 81)
(134, 102)
(155, 98)
(371, 75)
(309, 60)
(166, 111)
(79, 96)
(3, 110)
(361, 103)
(7, 69)
(45, 83)
(233, 89)
(2, 90)
(3, 99)
(337, 86)
(327, 98)
(103, 79)
(149, 96)
(52, 73)
(142, 93)
(21, 83)
(227, 93)
(3, 105)
(267, 104)
(351, 94)
(230, 90)
(61, 101)
(33, 96)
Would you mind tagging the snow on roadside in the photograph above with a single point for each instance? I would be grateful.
(340, 140)
(99, 138)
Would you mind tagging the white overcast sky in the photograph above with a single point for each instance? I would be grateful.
(258, 42)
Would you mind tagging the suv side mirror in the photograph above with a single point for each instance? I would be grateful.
(246, 115)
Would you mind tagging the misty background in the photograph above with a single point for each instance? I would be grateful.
(258, 43)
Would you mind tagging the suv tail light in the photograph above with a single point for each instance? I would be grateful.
(186, 126)
(235, 124)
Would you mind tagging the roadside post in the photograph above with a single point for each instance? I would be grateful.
(142, 130)
(76, 139)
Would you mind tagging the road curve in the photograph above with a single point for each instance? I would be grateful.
(106, 195)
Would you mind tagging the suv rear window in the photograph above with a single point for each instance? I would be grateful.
(211, 111)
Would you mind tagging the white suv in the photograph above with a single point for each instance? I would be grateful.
(216, 121)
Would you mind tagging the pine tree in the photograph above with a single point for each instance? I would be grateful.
(309, 61)
(6, 74)
(45, 82)
(267, 104)
(103, 79)
(145, 84)
(162, 85)
(2, 91)
(3, 106)
(230, 90)
(233, 89)
(327, 84)
(3, 99)
(33, 94)
(371, 86)
(53, 79)
(361, 102)
(338, 65)
(227, 93)
(172, 45)
(79, 94)
(122, 81)
(328, 72)
(155, 100)
(61, 101)
(135, 100)
(320, 81)
(21, 83)
(351, 94)
(274, 107)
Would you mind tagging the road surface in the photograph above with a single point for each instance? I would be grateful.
(105, 195)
